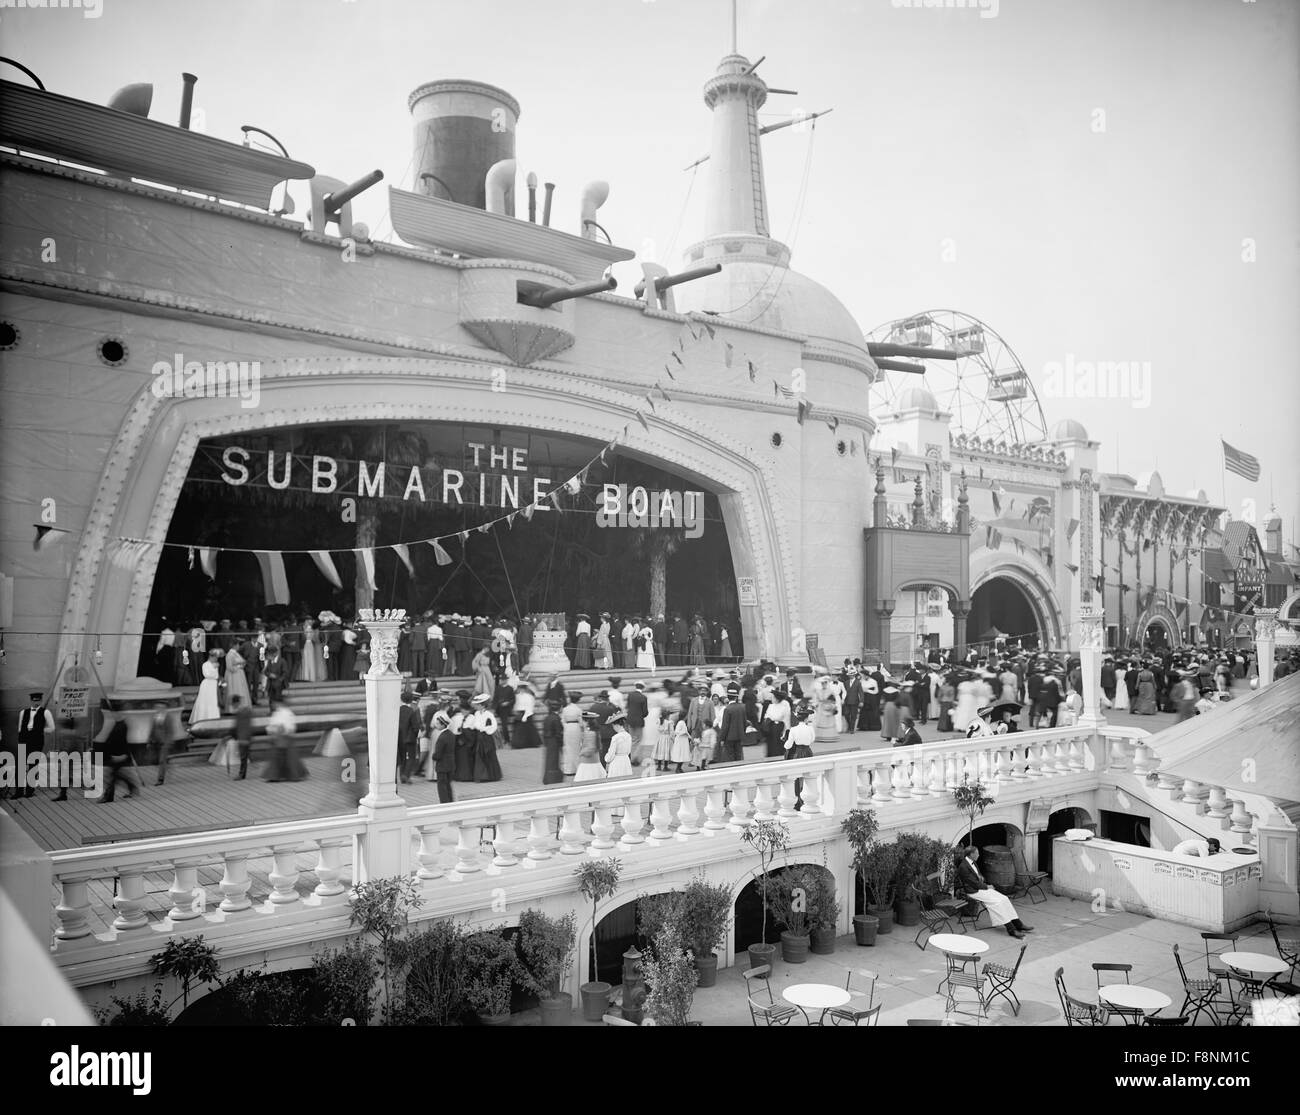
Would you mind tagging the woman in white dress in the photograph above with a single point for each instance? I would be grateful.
(604, 651)
(1121, 689)
(207, 705)
(589, 765)
(309, 665)
(681, 746)
(619, 755)
(664, 742)
(236, 678)
(571, 718)
(645, 649)
(968, 706)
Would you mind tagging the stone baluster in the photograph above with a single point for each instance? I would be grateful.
(661, 820)
(688, 817)
(284, 875)
(572, 836)
(1118, 753)
(1143, 759)
(882, 776)
(787, 799)
(812, 795)
(1167, 780)
(539, 837)
(633, 823)
(1076, 755)
(235, 883)
(1034, 762)
(715, 811)
(130, 900)
(764, 801)
(1002, 763)
(937, 788)
(430, 853)
(468, 836)
(741, 809)
(329, 868)
(863, 783)
(1062, 757)
(72, 910)
(1218, 805)
(1242, 820)
(1194, 794)
(901, 777)
(505, 845)
(185, 882)
(951, 770)
(602, 830)
(920, 786)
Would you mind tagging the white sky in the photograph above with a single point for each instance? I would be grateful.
(1124, 244)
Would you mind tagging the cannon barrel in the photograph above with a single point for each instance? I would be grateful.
(335, 202)
(921, 352)
(666, 281)
(898, 366)
(563, 293)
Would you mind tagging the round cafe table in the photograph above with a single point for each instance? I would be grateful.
(959, 949)
(1254, 963)
(1134, 997)
(820, 997)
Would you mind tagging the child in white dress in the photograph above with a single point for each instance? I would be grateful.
(589, 765)
(619, 755)
(681, 749)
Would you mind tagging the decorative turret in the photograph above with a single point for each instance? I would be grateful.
(918, 505)
(880, 506)
(736, 198)
(963, 506)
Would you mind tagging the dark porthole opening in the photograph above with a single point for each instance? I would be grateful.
(776, 441)
(112, 352)
(9, 336)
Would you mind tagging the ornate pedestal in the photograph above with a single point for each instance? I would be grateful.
(547, 655)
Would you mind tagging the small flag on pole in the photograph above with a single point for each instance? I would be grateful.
(753, 372)
(1071, 527)
(208, 561)
(1243, 464)
(405, 555)
(325, 564)
(727, 352)
(709, 330)
(367, 564)
(641, 418)
(439, 554)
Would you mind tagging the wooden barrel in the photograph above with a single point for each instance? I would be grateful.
(998, 867)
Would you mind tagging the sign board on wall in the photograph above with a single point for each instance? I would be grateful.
(1039, 812)
(73, 700)
(816, 655)
(747, 591)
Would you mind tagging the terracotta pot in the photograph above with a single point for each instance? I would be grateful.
(794, 948)
(908, 911)
(557, 1009)
(864, 928)
(885, 917)
(595, 1000)
(762, 954)
(707, 968)
(822, 941)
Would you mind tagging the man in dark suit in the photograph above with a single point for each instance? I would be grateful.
(332, 636)
(971, 882)
(601, 710)
(408, 736)
(419, 646)
(637, 709)
(243, 715)
(277, 675)
(1034, 690)
(909, 737)
(731, 736)
(444, 753)
(659, 633)
(852, 700)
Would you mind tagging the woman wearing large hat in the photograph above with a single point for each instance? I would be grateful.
(483, 725)
(619, 755)
(582, 640)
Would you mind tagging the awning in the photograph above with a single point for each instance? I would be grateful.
(1249, 745)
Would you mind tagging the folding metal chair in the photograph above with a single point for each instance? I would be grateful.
(1244, 990)
(1288, 949)
(1001, 978)
(859, 1007)
(1180, 1021)
(972, 980)
(1131, 1016)
(1199, 994)
(934, 920)
(968, 916)
(772, 1013)
(1078, 1012)
(1218, 971)
(1026, 880)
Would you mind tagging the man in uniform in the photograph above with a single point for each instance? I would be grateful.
(33, 723)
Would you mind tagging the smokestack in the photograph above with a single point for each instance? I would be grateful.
(499, 188)
(546, 206)
(532, 196)
(462, 130)
(594, 195)
(187, 98)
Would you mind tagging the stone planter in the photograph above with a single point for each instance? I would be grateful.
(762, 954)
(595, 1000)
(794, 948)
(707, 969)
(885, 917)
(908, 911)
(495, 1019)
(557, 1009)
(864, 928)
(822, 942)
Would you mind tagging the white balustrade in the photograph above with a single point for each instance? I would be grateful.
(329, 868)
(919, 787)
(468, 835)
(764, 802)
(1242, 820)
(430, 853)
(284, 876)
(901, 780)
(1062, 760)
(1144, 761)
(937, 788)
(1167, 780)
(741, 809)
(952, 770)
(572, 836)
(787, 799)
(539, 837)
(882, 775)
(235, 883)
(1217, 804)
(602, 830)
(1119, 753)
(633, 824)
(1076, 755)
(688, 817)
(862, 783)
(1034, 762)
(812, 795)
(1194, 793)
(73, 909)
(504, 844)
(715, 811)
(185, 882)
(130, 900)
(661, 821)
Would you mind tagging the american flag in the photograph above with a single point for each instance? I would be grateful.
(1243, 464)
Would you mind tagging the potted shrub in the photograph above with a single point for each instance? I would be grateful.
(860, 828)
(670, 978)
(703, 917)
(490, 967)
(914, 858)
(597, 880)
(879, 869)
(790, 895)
(546, 954)
(766, 838)
(825, 911)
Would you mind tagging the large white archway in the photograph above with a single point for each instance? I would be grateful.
(112, 581)
(1022, 573)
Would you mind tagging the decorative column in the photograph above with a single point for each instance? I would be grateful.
(1265, 634)
(1092, 643)
(384, 848)
(1277, 856)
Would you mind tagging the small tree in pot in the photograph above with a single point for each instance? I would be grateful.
(597, 880)
(546, 954)
(790, 897)
(670, 977)
(825, 910)
(491, 966)
(860, 827)
(766, 838)
(704, 915)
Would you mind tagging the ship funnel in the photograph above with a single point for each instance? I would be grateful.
(134, 99)
(187, 98)
(463, 129)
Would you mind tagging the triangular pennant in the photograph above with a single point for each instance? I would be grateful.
(463, 536)
(997, 502)
(650, 402)
(527, 512)
(776, 390)
(727, 353)
(681, 344)
(325, 564)
(189, 557)
(368, 566)
(510, 520)
(1072, 568)
(1071, 527)
(678, 358)
(834, 424)
(602, 456)
(641, 418)
(710, 330)
(664, 394)
(274, 583)
(47, 536)
(555, 498)
(694, 335)
(753, 372)
(803, 411)
(670, 373)
(573, 485)
(208, 561)
(404, 553)
(484, 528)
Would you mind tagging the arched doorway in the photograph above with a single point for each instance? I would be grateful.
(1062, 820)
(1001, 612)
(749, 910)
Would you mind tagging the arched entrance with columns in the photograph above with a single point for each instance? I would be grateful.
(1158, 627)
(1010, 596)
(112, 579)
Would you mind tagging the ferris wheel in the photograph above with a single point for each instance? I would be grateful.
(985, 389)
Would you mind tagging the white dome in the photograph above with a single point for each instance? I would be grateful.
(1069, 430)
(1152, 483)
(915, 398)
(1199, 495)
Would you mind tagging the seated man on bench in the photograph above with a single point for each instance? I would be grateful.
(972, 884)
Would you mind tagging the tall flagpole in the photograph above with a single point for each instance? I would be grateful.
(1223, 475)
(734, 20)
